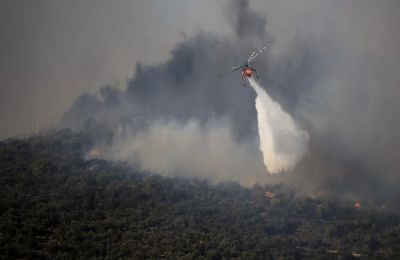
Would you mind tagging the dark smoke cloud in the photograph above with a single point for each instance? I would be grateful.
(245, 22)
(191, 84)
(340, 86)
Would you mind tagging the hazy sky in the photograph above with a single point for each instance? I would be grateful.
(52, 51)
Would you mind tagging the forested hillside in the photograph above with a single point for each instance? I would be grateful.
(55, 204)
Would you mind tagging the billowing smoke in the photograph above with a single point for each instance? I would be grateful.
(334, 69)
(207, 151)
(282, 142)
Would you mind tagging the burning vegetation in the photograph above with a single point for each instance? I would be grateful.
(55, 204)
(94, 153)
(269, 194)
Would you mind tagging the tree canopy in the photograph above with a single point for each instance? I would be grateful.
(55, 204)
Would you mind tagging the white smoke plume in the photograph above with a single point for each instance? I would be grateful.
(282, 142)
(193, 150)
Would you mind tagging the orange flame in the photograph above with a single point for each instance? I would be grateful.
(95, 153)
(316, 194)
(269, 195)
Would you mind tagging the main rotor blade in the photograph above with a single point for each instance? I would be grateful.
(236, 68)
(255, 54)
(251, 56)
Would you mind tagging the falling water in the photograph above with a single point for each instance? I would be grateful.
(282, 142)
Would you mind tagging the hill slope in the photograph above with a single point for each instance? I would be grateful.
(55, 204)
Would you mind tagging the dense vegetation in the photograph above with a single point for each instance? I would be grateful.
(54, 204)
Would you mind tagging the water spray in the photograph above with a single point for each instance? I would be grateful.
(282, 142)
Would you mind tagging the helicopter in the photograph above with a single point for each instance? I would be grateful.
(247, 70)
